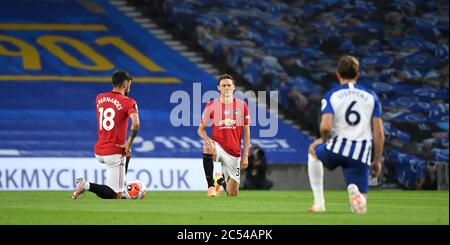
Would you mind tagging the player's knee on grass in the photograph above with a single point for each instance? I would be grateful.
(232, 187)
(118, 195)
(232, 192)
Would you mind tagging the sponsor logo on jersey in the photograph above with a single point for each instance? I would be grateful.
(227, 123)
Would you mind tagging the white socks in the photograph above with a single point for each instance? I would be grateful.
(315, 173)
(86, 185)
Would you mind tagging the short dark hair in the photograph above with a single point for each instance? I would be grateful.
(348, 67)
(119, 77)
(224, 76)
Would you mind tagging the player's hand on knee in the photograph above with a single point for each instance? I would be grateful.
(313, 146)
(311, 149)
(206, 149)
(209, 148)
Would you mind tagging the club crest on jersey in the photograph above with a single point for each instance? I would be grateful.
(237, 113)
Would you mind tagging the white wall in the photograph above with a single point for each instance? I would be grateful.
(160, 174)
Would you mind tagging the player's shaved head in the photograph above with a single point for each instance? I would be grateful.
(348, 67)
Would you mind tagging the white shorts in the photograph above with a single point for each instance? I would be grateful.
(115, 170)
(230, 164)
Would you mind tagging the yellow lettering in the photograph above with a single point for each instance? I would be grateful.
(52, 27)
(100, 63)
(130, 51)
(30, 56)
(8, 78)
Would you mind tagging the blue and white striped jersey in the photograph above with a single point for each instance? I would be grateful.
(353, 107)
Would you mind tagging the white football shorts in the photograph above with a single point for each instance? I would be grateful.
(115, 170)
(230, 164)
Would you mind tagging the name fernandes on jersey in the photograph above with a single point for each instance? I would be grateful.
(111, 100)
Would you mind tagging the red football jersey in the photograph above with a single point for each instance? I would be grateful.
(113, 111)
(227, 122)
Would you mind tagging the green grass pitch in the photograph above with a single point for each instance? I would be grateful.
(250, 207)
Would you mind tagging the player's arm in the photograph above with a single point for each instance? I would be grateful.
(202, 133)
(378, 141)
(325, 126)
(134, 128)
(244, 159)
(133, 132)
(325, 129)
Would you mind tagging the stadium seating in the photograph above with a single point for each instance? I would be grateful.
(293, 47)
(52, 66)
(47, 108)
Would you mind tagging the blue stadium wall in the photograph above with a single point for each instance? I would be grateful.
(55, 57)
